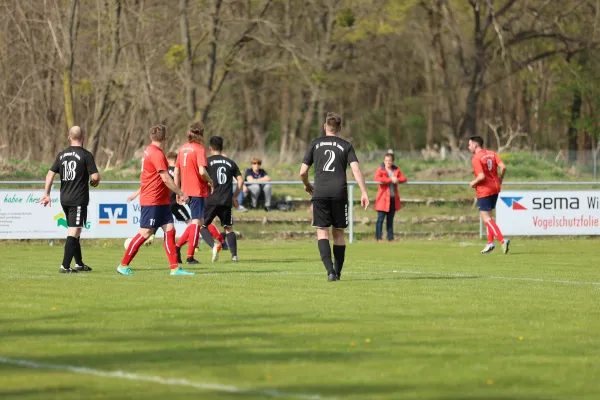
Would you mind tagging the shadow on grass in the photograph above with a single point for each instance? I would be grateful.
(413, 278)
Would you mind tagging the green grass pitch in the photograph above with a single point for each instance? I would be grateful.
(409, 320)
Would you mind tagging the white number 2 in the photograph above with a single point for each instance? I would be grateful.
(69, 170)
(328, 166)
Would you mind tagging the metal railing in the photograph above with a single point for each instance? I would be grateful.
(351, 185)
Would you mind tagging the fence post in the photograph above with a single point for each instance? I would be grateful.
(351, 213)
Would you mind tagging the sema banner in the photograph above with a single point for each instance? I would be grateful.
(540, 212)
(109, 216)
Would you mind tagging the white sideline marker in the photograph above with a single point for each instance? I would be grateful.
(160, 380)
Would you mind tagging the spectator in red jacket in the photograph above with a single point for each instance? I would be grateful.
(388, 198)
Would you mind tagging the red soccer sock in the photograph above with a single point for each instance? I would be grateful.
(184, 238)
(170, 248)
(496, 231)
(193, 241)
(135, 244)
(490, 234)
(215, 233)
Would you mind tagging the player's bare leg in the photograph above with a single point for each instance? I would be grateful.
(325, 252)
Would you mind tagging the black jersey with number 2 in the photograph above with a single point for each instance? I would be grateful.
(331, 156)
(222, 171)
(75, 165)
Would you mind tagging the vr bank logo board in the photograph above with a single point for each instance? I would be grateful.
(109, 214)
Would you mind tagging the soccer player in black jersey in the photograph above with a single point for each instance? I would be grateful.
(222, 171)
(76, 166)
(331, 156)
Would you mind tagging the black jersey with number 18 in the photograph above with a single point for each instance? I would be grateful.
(222, 171)
(331, 156)
(75, 165)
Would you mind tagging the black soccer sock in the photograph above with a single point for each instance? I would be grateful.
(77, 255)
(325, 252)
(339, 253)
(207, 236)
(70, 248)
(232, 243)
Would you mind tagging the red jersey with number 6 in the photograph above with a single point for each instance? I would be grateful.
(189, 158)
(153, 190)
(486, 161)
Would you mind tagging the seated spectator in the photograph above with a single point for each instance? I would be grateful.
(257, 174)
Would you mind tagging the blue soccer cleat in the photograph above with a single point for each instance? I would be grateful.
(124, 270)
(180, 271)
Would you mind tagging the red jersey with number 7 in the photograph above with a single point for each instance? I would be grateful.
(190, 157)
(486, 161)
(153, 190)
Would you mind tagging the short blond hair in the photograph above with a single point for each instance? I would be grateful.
(256, 160)
(76, 133)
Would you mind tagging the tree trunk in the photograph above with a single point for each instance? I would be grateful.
(190, 86)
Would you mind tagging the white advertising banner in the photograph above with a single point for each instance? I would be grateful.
(545, 212)
(109, 216)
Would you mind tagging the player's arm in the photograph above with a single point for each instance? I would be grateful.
(166, 178)
(177, 176)
(133, 196)
(358, 176)
(477, 169)
(502, 171)
(45, 200)
(95, 179)
(204, 173)
(480, 178)
(265, 178)
(240, 185)
(304, 176)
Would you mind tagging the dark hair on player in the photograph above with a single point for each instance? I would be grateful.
(390, 155)
(477, 139)
(216, 143)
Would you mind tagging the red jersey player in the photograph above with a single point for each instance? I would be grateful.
(487, 186)
(192, 176)
(155, 203)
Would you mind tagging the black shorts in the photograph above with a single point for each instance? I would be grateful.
(223, 212)
(180, 212)
(328, 212)
(76, 216)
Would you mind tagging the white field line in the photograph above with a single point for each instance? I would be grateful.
(159, 380)
(271, 273)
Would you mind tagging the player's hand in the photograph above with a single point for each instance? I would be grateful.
(45, 201)
(131, 198)
(309, 188)
(394, 180)
(184, 199)
(211, 186)
(94, 183)
(472, 184)
(149, 241)
(236, 203)
(364, 200)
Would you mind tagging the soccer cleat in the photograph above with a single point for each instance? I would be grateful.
(64, 270)
(332, 277)
(124, 270)
(488, 248)
(180, 271)
(149, 241)
(178, 250)
(505, 245)
(235, 259)
(82, 268)
(216, 249)
(191, 260)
